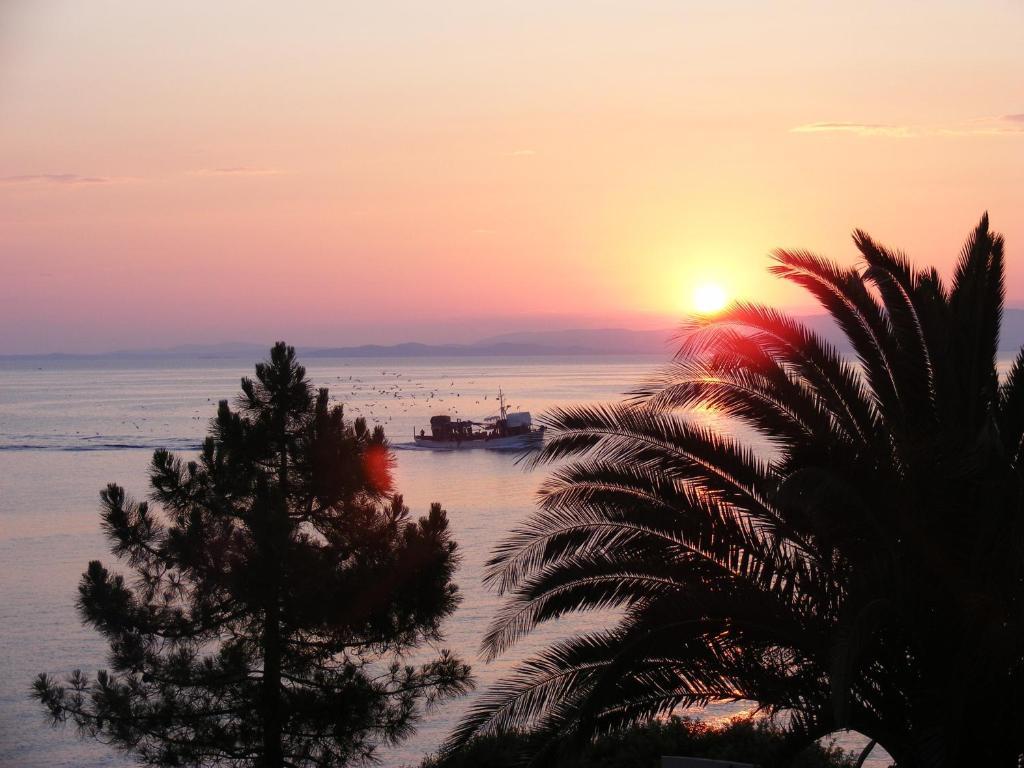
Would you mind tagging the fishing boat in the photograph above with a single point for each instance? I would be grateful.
(506, 431)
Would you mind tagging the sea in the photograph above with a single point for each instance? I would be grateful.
(69, 426)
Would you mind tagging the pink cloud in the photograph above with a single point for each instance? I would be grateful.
(64, 179)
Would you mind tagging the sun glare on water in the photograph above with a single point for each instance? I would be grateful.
(709, 298)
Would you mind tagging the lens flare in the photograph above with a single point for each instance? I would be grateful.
(377, 464)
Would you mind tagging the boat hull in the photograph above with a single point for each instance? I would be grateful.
(509, 443)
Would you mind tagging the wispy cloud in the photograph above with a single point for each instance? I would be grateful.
(984, 126)
(61, 179)
(237, 170)
(860, 129)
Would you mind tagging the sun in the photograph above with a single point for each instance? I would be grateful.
(709, 298)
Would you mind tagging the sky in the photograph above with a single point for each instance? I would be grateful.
(341, 172)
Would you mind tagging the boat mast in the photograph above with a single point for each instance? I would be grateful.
(501, 399)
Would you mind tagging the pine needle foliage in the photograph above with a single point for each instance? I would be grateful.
(272, 588)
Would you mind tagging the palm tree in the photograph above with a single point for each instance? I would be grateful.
(863, 569)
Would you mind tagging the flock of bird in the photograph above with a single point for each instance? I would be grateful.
(381, 403)
(380, 400)
(391, 398)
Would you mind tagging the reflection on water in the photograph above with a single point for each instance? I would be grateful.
(67, 428)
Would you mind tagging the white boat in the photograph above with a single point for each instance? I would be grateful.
(505, 432)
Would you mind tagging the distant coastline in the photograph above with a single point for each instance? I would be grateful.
(569, 343)
(555, 343)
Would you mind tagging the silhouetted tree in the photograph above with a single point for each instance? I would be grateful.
(274, 592)
(861, 565)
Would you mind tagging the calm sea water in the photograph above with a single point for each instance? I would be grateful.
(68, 427)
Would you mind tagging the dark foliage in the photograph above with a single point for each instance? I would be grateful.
(642, 746)
(275, 585)
(863, 568)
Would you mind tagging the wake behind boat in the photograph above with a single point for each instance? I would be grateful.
(507, 431)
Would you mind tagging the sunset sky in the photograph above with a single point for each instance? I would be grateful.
(340, 172)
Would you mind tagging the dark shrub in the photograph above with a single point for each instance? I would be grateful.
(743, 739)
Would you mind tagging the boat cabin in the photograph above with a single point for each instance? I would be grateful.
(444, 428)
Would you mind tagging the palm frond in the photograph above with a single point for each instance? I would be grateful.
(843, 295)
(976, 308)
(1011, 409)
(891, 273)
(835, 382)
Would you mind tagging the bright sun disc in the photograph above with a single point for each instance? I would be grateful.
(709, 298)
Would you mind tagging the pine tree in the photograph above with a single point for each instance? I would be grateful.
(278, 584)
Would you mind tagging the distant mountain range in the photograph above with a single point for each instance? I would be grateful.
(578, 342)
(608, 341)
(603, 341)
